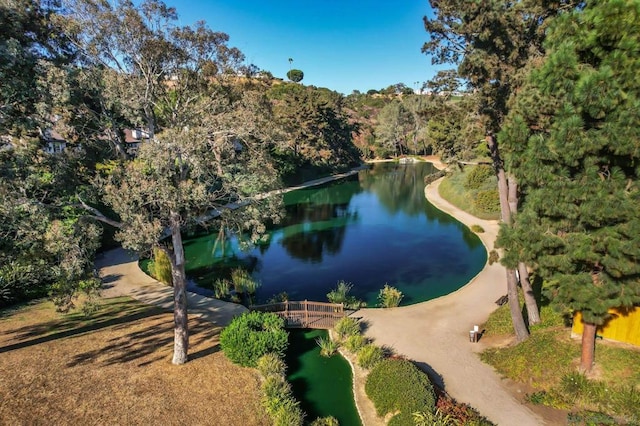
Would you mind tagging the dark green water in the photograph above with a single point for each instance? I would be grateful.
(324, 386)
(373, 228)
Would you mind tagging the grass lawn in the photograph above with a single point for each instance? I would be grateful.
(548, 361)
(453, 190)
(115, 368)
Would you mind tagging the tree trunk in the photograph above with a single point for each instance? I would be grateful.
(519, 326)
(181, 326)
(588, 347)
(533, 313)
(530, 301)
(512, 195)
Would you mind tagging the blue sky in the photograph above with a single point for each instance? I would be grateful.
(339, 44)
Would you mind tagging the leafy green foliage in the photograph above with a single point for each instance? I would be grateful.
(437, 418)
(397, 385)
(271, 364)
(295, 75)
(453, 190)
(316, 132)
(370, 355)
(477, 176)
(277, 397)
(243, 282)
(347, 327)
(252, 335)
(222, 288)
(325, 421)
(328, 347)
(341, 295)
(571, 141)
(389, 297)
(160, 267)
(355, 342)
(487, 201)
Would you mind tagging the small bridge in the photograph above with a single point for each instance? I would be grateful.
(305, 314)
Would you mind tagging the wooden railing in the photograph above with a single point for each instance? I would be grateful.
(305, 314)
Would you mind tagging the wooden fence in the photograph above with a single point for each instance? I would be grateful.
(305, 314)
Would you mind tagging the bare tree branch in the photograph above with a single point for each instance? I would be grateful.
(97, 214)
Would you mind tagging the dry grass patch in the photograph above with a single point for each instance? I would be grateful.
(115, 368)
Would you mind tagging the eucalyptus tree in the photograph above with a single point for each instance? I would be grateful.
(493, 42)
(46, 248)
(395, 123)
(572, 141)
(208, 141)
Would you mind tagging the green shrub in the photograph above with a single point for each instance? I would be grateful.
(277, 397)
(325, 421)
(160, 267)
(438, 418)
(477, 176)
(346, 327)
(274, 391)
(271, 365)
(487, 201)
(369, 356)
(477, 229)
(221, 289)
(243, 282)
(22, 280)
(354, 343)
(288, 413)
(253, 335)
(341, 295)
(389, 297)
(397, 385)
(327, 346)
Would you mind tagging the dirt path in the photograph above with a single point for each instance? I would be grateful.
(436, 334)
(121, 276)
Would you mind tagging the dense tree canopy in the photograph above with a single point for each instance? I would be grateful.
(572, 141)
(295, 75)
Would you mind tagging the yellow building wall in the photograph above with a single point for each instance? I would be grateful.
(624, 326)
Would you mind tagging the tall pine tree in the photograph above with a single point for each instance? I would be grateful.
(493, 42)
(573, 142)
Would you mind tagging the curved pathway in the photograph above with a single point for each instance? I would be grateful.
(435, 333)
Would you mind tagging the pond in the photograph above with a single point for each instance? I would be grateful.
(371, 229)
(323, 385)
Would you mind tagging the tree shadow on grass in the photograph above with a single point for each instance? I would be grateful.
(156, 338)
(141, 331)
(113, 313)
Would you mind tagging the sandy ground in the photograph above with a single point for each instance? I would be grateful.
(435, 334)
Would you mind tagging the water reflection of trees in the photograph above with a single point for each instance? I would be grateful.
(316, 220)
(399, 187)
